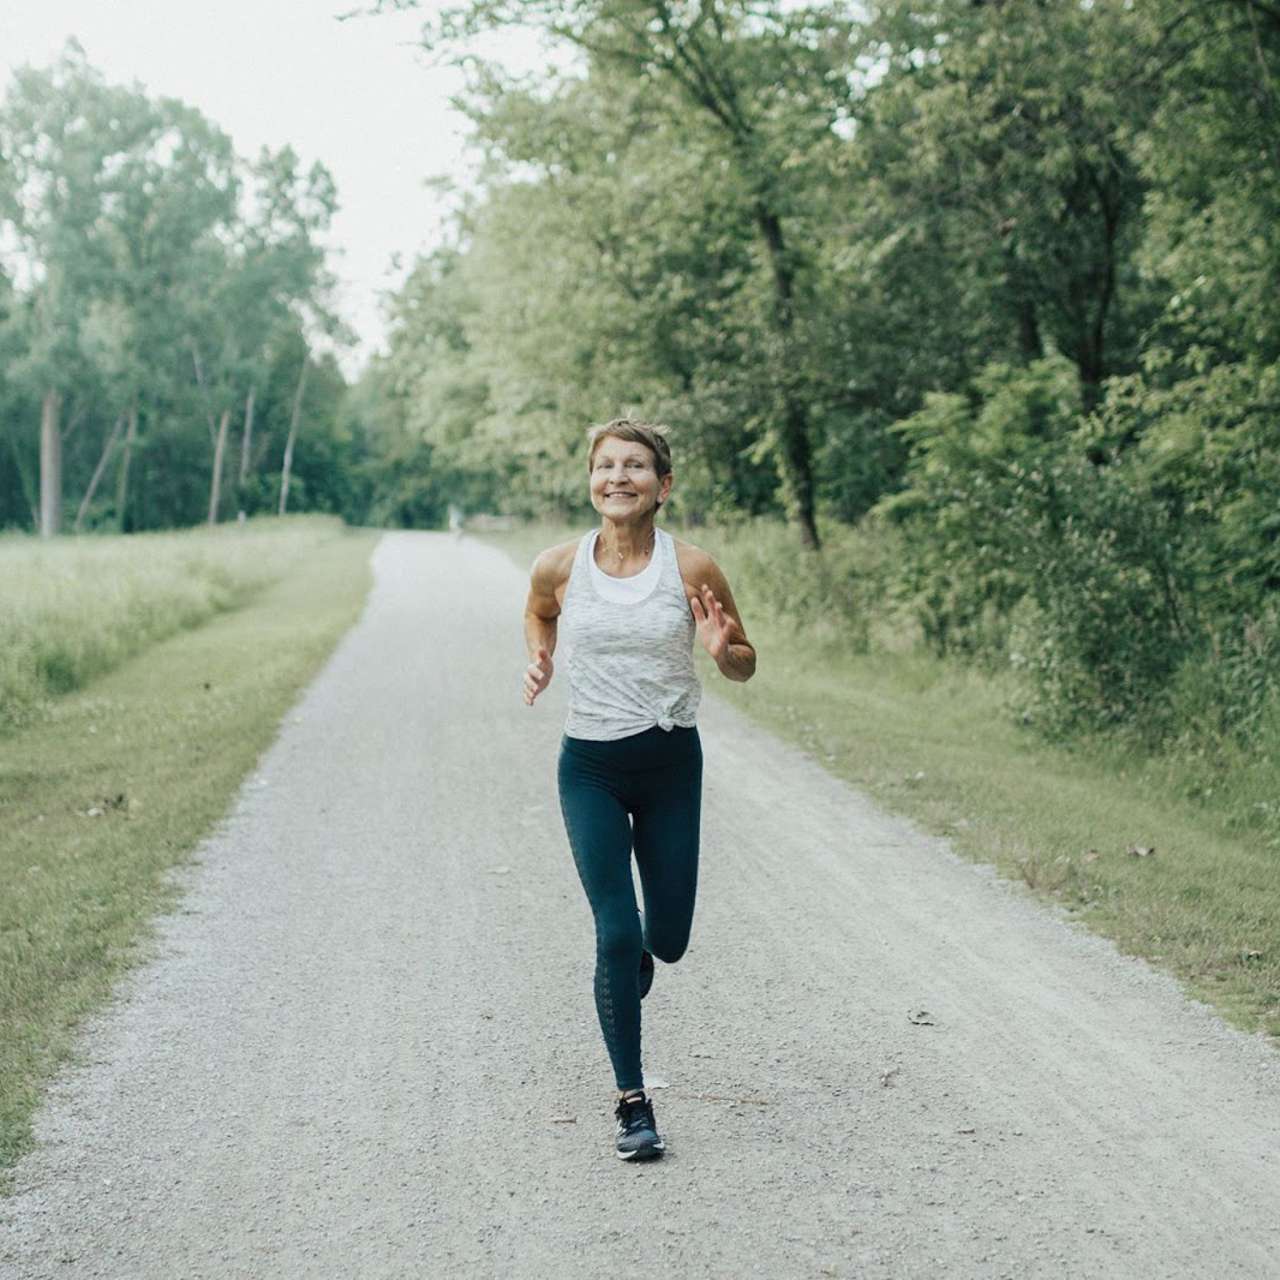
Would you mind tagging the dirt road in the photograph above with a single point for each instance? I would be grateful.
(367, 1047)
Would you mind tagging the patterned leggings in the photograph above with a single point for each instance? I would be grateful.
(643, 793)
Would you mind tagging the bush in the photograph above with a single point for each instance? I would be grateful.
(1127, 563)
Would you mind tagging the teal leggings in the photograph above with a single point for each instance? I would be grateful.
(643, 793)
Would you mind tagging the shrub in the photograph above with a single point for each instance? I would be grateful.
(1128, 563)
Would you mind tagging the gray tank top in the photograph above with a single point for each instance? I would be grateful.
(630, 665)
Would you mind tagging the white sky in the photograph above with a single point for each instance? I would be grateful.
(359, 96)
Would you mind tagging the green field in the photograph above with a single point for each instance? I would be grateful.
(110, 786)
(939, 743)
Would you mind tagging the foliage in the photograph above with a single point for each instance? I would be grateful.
(1016, 262)
(1127, 561)
(152, 278)
(987, 294)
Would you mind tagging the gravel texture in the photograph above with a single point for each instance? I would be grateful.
(366, 1046)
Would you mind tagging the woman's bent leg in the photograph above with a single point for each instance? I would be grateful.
(667, 823)
(600, 837)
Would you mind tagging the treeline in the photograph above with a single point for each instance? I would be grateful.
(1000, 279)
(166, 320)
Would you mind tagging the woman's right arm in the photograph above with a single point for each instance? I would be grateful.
(541, 611)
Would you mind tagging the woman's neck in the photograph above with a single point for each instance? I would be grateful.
(623, 545)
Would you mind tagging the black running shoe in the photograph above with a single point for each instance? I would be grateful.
(637, 1132)
(646, 973)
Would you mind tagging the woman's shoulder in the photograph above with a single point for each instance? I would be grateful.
(696, 565)
(552, 567)
(694, 562)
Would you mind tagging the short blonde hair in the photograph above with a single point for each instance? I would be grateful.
(650, 434)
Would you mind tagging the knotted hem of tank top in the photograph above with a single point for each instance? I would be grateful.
(666, 723)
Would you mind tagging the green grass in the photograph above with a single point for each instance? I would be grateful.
(74, 608)
(118, 782)
(937, 742)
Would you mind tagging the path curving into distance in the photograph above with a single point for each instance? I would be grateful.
(367, 1046)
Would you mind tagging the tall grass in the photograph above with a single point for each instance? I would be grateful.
(73, 609)
(842, 597)
(844, 602)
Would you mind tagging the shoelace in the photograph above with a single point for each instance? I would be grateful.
(635, 1113)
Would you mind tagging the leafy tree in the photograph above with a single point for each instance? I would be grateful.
(1001, 140)
(765, 85)
(153, 276)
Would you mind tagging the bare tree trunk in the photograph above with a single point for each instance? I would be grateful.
(50, 466)
(246, 440)
(76, 419)
(97, 473)
(293, 435)
(219, 449)
(204, 391)
(122, 484)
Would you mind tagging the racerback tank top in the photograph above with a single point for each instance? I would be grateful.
(629, 663)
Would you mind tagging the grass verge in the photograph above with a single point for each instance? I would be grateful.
(74, 608)
(119, 782)
(936, 742)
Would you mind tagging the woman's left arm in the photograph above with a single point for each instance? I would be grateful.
(716, 615)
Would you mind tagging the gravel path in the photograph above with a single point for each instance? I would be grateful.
(367, 1046)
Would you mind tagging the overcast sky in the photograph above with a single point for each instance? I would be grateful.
(356, 95)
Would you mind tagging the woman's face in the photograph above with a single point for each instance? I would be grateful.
(624, 482)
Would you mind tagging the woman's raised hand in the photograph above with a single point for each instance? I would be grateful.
(715, 627)
(537, 675)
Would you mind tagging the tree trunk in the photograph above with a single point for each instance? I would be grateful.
(246, 440)
(50, 466)
(122, 484)
(1030, 343)
(293, 435)
(204, 391)
(97, 473)
(797, 452)
(219, 450)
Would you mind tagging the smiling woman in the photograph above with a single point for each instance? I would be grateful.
(632, 598)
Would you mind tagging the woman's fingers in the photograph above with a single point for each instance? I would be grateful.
(537, 675)
(714, 610)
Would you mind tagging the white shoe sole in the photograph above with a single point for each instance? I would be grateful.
(650, 1152)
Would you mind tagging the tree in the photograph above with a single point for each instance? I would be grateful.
(109, 197)
(1004, 135)
(54, 138)
(770, 83)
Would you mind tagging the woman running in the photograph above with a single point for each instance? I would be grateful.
(630, 599)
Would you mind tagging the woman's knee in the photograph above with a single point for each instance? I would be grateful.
(618, 938)
(668, 945)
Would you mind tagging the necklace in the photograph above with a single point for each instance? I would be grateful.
(653, 535)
